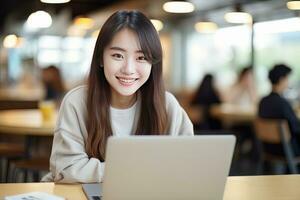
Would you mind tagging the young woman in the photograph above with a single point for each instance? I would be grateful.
(206, 96)
(125, 96)
(243, 91)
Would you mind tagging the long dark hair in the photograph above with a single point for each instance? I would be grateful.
(244, 72)
(153, 116)
(206, 93)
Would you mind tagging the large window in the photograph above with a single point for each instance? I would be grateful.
(221, 53)
(277, 42)
(229, 49)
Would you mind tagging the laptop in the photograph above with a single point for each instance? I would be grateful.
(165, 167)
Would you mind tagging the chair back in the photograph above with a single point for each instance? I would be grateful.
(276, 131)
(272, 130)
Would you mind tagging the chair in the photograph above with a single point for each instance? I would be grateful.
(37, 160)
(8, 152)
(12, 150)
(31, 165)
(276, 131)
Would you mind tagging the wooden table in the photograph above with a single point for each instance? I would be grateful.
(234, 113)
(279, 187)
(231, 113)
(68, 191)
(22, 93)
(282, 187)
(26, 122)
(29, 123)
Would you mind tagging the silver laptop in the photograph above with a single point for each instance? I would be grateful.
(166, 167)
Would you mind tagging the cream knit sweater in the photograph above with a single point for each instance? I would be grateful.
(69, 162)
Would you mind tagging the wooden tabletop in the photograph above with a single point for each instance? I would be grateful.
(234, 113)
(68, 191)
(237, 113)
(26, 122)
(22, 93)
(279, 187)
(282, 187)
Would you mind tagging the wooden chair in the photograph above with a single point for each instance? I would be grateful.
(8, 152)
(11, 150)
(31, 165)
(276, 131)
(36, 162)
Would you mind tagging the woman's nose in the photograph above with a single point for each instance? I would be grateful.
(128, 67)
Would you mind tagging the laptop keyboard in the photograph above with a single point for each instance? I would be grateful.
(96, 198)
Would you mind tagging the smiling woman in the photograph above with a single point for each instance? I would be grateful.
(125, 96)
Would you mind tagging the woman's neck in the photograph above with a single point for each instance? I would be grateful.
(123, 102)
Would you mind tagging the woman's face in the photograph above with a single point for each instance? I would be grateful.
(125, 66)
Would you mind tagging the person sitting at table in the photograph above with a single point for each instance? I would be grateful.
(124, 96)
(275, 106)
(243, 91)
(53, 83)
(207, 95)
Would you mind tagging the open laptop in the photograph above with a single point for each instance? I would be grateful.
(165, 167)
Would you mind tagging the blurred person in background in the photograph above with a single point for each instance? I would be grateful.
(275, 106)
(243, 92)
(53, 83)
(207, 95)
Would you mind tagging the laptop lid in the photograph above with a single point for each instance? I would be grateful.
(166, 167)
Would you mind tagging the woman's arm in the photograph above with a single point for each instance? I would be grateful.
(180, 123)
(69, 161)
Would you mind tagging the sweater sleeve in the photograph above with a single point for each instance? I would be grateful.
(180, 123)
(69, 161)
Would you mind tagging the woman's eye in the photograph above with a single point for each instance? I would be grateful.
(117, 56)
(142, 58)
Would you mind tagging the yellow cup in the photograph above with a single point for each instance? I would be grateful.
(47, 109)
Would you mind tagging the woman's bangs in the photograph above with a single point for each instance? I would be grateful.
(148, 48)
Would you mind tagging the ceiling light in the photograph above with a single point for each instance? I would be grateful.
(206, 27)
(55, 1)
(84, 22)
(157, 24)
(39, 19)
(238, 17)
(10, 41)
(178, 7)
(293, 5)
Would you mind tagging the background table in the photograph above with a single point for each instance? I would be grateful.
(232, 114)
(26, 122)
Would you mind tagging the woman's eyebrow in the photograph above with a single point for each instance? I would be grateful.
(139, 51)
(117, 48)
(121, 49)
